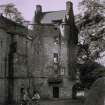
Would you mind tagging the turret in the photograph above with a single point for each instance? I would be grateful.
(70, 36)
(38, 14)
(69, 13)
(69, 30)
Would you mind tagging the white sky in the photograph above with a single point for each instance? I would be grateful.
(27, 7)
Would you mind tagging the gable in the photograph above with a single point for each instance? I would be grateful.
(49, 17)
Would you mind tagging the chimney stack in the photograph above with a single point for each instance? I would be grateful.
(38, 14)
(69, 7)
(70, 36)
(69, 12)
(38, 8)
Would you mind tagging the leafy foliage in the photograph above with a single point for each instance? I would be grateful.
(92, 6)
(91, 44)
(10, 11)
(91, 30)
(89, 72)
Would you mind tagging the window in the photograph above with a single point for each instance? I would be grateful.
(13, 46)
(22, 90)
(56, 92)
(1, 44)
(56, 64)
(1, 68)
(56, 69)
(55, 57)
(56, 40)
(62, 71)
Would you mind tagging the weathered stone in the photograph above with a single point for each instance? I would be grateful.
(28, 63)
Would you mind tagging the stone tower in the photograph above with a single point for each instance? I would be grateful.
(70, 35)
(54, 52)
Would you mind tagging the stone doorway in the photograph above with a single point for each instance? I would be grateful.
(55, 92)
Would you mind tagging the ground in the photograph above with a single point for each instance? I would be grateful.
(61, 102)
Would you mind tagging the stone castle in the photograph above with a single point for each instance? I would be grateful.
(43, 59)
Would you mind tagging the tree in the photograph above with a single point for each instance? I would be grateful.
(93, 6)
(89, 72)
(96, 95)
(91, 44)
(91, 30)
(10, 11)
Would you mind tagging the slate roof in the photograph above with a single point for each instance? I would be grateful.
(49, 17)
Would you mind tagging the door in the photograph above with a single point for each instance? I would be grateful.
(56, 92)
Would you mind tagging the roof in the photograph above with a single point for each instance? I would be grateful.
(49, 17)
(12, 27)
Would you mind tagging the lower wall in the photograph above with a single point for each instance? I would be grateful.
(18, 85)
(66, 89)
(41, 84)
(3, 90)
(46, 90)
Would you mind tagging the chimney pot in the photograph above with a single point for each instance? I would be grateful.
(38, 8)
(38, 14)
(69, 7)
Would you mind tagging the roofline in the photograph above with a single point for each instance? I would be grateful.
(44, 24)
(13, 22)
(13, 27)
(53, 11)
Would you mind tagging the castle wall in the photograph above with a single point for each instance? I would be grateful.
(41, 73)
(20, 57)
(4, 49)
(21, 67)
(29, 64)
(13, 61)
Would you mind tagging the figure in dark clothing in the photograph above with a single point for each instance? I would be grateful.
(25, 98)
(36, 98)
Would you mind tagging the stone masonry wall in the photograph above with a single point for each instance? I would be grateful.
(4, 49)
(45, 43)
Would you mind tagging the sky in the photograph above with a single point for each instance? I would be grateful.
(27, 7)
